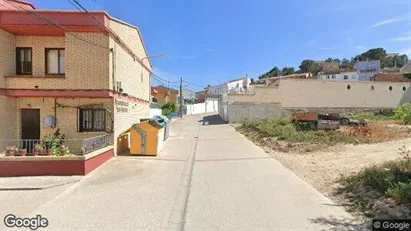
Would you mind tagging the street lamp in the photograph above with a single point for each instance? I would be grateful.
(158, 56)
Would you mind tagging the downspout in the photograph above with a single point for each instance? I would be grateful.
(113, 66)
(55, 113)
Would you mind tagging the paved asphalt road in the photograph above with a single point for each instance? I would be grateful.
(208, 177)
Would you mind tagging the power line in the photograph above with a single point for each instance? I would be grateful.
(48, 21)
(72, 3)
(91, 15)
(113, 34)
(193, 84)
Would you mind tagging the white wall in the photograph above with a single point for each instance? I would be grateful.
(232, 86)
(211, 105)
(155, 112)
(197, 108)
(218, 89)
(347, 76)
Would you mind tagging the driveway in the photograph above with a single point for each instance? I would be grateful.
(209, 177)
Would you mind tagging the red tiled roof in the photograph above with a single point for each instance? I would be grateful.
(390, 77)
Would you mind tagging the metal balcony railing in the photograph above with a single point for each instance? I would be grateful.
(73, 146)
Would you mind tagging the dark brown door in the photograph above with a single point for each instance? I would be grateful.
(30, 127)
(30, 123)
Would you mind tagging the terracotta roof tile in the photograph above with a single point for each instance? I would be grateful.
(390, 77)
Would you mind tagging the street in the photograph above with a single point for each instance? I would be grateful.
(208, 177)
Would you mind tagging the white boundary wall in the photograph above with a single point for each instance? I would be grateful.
(155, 112)
(199, 108)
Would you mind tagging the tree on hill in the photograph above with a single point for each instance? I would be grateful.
(275, 71)
(331, 60)
(288, 71)
(372, 54)
(310, 66)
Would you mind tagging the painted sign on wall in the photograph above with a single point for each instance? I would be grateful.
(121, 106)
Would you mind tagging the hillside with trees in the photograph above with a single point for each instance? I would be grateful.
(311, 66)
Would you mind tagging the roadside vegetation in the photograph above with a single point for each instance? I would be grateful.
(283, 135)
(169, 108)
(381, 189)
(402, 114)
(372, 179)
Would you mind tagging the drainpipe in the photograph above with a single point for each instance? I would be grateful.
(55, 113)
(113, 66)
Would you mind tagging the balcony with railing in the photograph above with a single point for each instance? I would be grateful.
(63, 147)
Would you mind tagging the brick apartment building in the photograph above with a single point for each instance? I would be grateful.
(162, 94)
(64, 70)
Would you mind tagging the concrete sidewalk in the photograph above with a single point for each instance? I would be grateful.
(237, 186)
(208, 177)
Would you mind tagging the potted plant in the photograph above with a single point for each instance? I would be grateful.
(38, 149)
(11, 150)
(56, 151)
(53, 142)
(15, 151)
(23, 152)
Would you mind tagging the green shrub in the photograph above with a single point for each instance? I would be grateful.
(169, 108)
(403, 113)
(371, 116)
(392, 179)
(285, 130)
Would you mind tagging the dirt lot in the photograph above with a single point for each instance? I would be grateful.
(322, 165)
(323, 169)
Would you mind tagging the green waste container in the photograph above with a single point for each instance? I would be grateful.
(167, 127)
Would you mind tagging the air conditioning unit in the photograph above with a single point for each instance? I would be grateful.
(119, 86)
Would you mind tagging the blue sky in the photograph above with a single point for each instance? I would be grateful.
(211, 41)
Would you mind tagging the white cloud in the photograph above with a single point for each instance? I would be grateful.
(360, 47)
(402, 39)
(328, 48)
(208, 50)
(389, 21)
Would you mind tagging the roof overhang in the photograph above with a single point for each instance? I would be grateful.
(30, 22)
(56, 23)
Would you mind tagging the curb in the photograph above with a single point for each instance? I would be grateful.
(28, 188)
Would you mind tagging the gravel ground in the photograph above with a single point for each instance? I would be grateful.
(322, 169)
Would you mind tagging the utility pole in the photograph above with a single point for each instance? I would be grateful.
(181, 97)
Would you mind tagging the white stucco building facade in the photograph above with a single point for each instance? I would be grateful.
(234, 86)
(345, 76)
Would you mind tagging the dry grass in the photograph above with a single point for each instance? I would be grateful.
(281, 135)
(375, 132)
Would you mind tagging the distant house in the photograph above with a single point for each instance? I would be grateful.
(330, 68)
(234, 86)
(406, 69)
(390, 77)
(367, 69)
(189, 96)
(332, 72)
(344, 76)
(162, 94)
(201, 96)
(363, 71)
